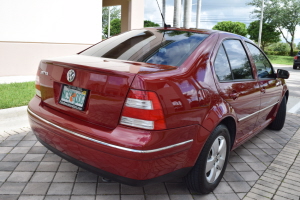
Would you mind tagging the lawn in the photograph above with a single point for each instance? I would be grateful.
(16, 94)
(285, 60)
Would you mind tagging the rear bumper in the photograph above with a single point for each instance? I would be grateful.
(149, 156)
(133, 182)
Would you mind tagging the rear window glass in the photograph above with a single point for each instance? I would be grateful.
(222, 67)
(151, 46)
(240, 65)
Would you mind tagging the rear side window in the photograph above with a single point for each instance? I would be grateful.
(222, 67)
(238, 60)
(166, 47)
(263, 67)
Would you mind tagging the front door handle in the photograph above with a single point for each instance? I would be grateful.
(278, 83)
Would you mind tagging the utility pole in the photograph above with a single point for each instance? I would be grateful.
(198, 13)
(164, 11)
(108, 31)
(261, 23)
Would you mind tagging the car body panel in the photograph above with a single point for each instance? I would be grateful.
(110, 158)
(193, 102)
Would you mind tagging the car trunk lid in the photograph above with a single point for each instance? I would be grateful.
(99, 88)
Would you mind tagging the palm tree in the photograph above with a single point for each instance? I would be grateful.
(187, 13)
(198, 13)
(176, 20)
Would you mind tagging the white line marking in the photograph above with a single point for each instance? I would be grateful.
(295, 108)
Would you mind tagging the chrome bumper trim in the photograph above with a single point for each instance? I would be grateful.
(107, 144)
(258, 111)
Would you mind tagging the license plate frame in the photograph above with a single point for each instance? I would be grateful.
(73, 97)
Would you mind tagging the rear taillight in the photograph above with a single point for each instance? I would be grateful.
(143, 110)
(37, 85)
(296, 57)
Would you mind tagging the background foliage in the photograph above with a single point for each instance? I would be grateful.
(232, 27)
(269, 33)
(283, 14)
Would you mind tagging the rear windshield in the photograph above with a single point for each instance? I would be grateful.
(151, 46)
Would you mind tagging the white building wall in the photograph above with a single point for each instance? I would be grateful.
(23, 58)
(31, 30)
(58, 21)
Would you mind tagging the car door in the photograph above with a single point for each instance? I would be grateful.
(270, 86)
(237, 84)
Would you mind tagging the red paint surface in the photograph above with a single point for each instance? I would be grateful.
(192, 100)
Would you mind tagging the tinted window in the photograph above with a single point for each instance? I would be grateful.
(222, 67)
(263, 66)
(151, 46)
(238, 59)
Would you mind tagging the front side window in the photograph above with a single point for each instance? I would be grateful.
(263, 67)
(239, 62)
(164, 47)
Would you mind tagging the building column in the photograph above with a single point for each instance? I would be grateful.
(177, 9)
(187, 13)
(198, 18)
(136, 14)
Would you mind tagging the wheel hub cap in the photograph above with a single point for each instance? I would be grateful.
(216, 159)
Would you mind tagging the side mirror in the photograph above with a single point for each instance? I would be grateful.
(281, 73)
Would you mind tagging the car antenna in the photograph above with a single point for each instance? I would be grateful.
(165, 25)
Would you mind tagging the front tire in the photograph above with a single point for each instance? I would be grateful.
(211, 164)
(294, 66)
(279, 120)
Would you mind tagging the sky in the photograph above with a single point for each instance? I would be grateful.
(212, 11)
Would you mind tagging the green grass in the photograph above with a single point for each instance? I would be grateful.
(16, 94)
(285, 60)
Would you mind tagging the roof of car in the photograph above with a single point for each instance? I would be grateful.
(205, 31)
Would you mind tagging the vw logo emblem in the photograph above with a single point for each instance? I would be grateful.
(71, 75)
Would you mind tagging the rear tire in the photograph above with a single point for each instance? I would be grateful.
(279, 120)
(211, 164)
(294, 66)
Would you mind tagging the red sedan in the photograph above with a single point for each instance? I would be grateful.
(156, 104)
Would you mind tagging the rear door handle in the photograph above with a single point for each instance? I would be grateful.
(234, 95)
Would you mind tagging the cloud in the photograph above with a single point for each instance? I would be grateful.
(212, 11)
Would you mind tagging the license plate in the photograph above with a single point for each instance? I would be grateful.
(73, 97)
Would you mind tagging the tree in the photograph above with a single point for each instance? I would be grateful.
(232, 27)
(269, 33)
(115, 27)
(148, 23)
(115, 13)
(281, 47)
(283, 14)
